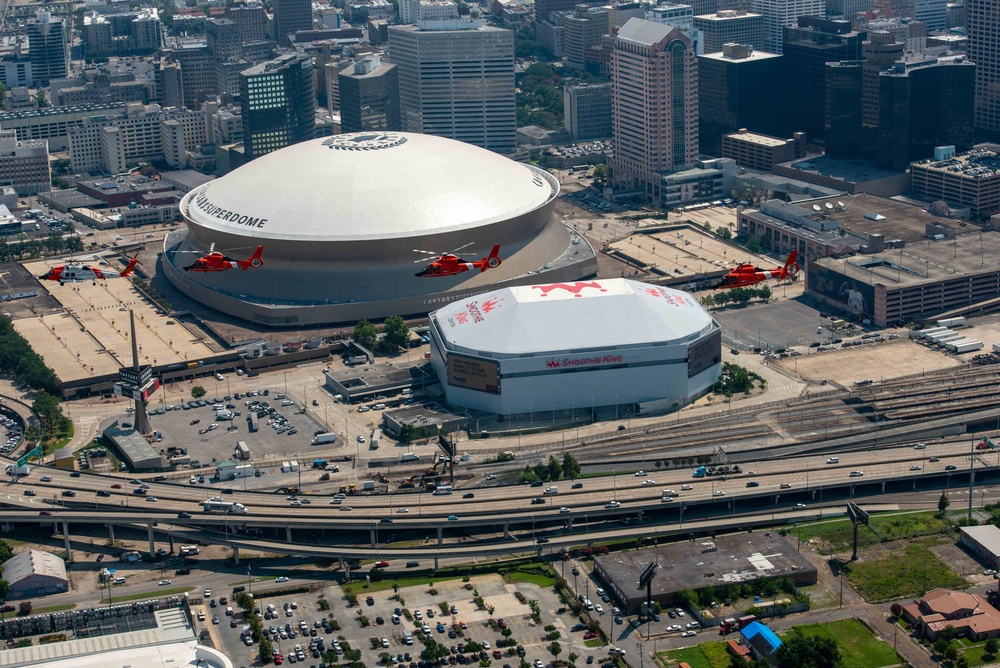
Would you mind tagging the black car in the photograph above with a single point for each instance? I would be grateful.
(68, 492)
(238, 588)
(537, 501)
(543, 540)
(950, 467)
(386, 520)
(537, 483)
(183, 516)
(411, 564)
(182, 571)
(753, 483)
(468, 495)
(577, 485)
(74, 474)
(103, 492)
(227, 491)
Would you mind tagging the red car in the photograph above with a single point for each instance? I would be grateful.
(381, 564)
(223, 600)
(278, 660)
(195, 421)
(45, 512)
(116, 486)
(588, 635)
(497, 654)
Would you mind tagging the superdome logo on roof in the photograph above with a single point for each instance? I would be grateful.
(671, 297)
(474, 311)
(555, 291)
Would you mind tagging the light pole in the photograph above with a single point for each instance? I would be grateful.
(225, 524)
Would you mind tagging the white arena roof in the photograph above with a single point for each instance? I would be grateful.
(369, 185)
(571, 316)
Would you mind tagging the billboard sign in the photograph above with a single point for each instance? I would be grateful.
(705, 354)
(857, 296)
(474, 374)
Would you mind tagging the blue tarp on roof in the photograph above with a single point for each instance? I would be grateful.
(754, 629)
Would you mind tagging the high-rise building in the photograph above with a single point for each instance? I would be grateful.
(223, 37)
(278, 104)
(291, 16)
(924, 102)
(545, 7)
(654, 105)
(736, 91)
(124, 34)
(456, 80)
(808, 45)
(843, 109)
(847, 9)
(24, 164)
(729, 26)
(369, 96)
(934, 13)
(252, 21)
(48, 48)
(907, 8)
(197, 70)
(582, 30)
(983, 26)
(780, 14)
(587, 111)
(879, 53)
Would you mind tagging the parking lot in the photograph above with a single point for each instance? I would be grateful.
(197, 432)
(383, 642)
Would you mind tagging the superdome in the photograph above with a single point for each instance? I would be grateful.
(607, 344)
(336, 189)
(345, 220)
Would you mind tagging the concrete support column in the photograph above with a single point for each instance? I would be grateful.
(288, 534)
(812, 494)
(152, 547)
(111, 532)
(371, 533)
(65, 531)
(435, 562)
(342, 564)
(914, 484)
(639, 518)
(171, 538)
(440, 535)
(236, 555)
(883, 487)
(506, 529)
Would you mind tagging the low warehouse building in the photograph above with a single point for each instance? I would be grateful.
(35, 573)
(694, 565)
(573, 346)
(134, 449)
(982, 541)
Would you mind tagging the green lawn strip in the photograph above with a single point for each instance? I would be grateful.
(64, 437)
(705, 655)
(858, 647)
(594, 642)
(157, 594)
(53, 608)
(836, 535)
(259, 578)
(359, 587)
(974, 655)
(908, 575)
(533, 578)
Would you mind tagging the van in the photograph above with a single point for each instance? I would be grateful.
(379, 407)
(229, 611)
(218, 407)
(551, 490)
(407, 637)
(119, 581)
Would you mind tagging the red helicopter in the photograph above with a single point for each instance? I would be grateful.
(215, 261)
(747, 274)
(449, 264)
(76, 272)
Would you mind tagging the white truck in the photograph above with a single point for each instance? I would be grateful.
(442, 489)
(242, 450)
(322, 439)
(410, 457)
(13, 469)
(217, 505)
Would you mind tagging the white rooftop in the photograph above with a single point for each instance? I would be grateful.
(571, 316)
(33, 562)
(369, 185)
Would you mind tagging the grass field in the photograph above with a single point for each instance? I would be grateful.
(858, 647)
(837, 535)
(705, 655)
(533, 578)
(901, 575)
(53, 608)
(358, 587)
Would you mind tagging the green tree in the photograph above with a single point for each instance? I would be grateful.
(24, 608)
(397, 334)
(706, 596)
(6, 551)
(554, 468)
(4, 590)
(723, 232)
(600, 174)
(265, 651)
(529, 475)
(407, 432)
(555, 649)
(49, 412)
(754, 245)
(573, 656)
(943, 503)
(802, 651)
(570, 467)
(962, 662)
(198, 392)
(245, 601)
(992, 645)
(366, 335)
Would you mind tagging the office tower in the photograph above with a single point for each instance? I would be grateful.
(809, 44)
(983, 26)
(879, 52)
(910, 32)
(251, 20)
(924, 102)
(582, 30)
(409, 11)
(587, 111)
(847, 9)
(369, 96)
(223, 37)
(843, 109)
(736, 90)
(934, 13)
(456, 80)
(907, 8)
(545, 7)
(24, 164)
(780, 14)
(278, 104)
(289, 17)
(729, 26)
(48, 48)
(197, 69)
(654, 105)
(124, 34)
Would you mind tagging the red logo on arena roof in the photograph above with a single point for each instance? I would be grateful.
(553, 363)
(492, 304)
(574, 288)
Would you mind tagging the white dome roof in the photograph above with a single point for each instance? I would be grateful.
(369, 185)
(585, 315)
